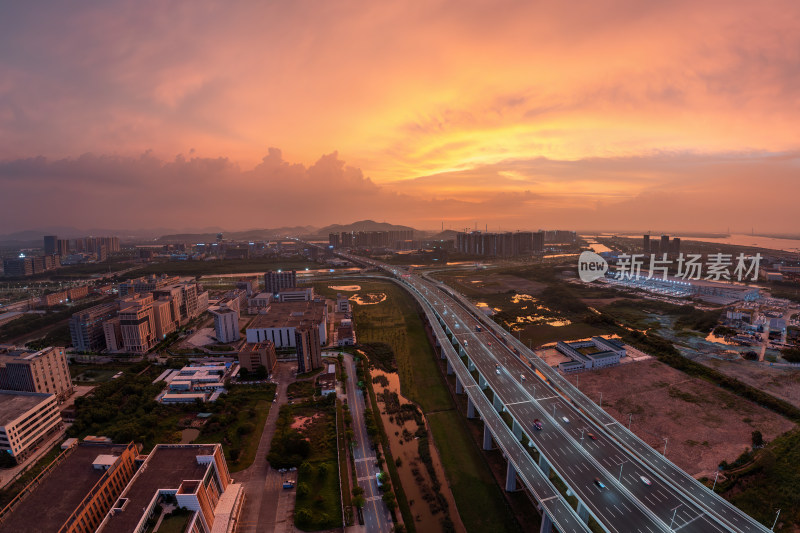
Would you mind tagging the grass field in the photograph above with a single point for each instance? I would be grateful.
(318, 505)
(480, 503)
(395, 321)
(239, 424)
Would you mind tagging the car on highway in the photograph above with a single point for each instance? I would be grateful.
(565, 419)
(592, 436)
(522, 377)
(537, 424)
(599, 483)
(497, 369)
(645, 480)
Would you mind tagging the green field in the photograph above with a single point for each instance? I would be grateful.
(226, 266)
(480, 501)
(396, 322)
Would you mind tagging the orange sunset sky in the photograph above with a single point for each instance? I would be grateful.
(632, 115)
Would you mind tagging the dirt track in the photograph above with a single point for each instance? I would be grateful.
(704, 424)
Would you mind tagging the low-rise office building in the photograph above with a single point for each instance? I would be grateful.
(137, 324)
(201, 381)
(594, 353)
(253, 356)
(26, 420)
(76, 491)
(296, 294)
(195, 476)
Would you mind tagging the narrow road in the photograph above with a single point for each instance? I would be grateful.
(376, 515)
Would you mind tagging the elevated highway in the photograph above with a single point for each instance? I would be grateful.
(617, 479)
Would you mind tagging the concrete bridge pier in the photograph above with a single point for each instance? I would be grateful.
(547, 524)
(450, 370)
(511, 478)
(461, 351)
(470, 364)
(470, 408)
(482, 383)
(583, 512)
(459, 386)
(544, 465)
(497, 403)
(487, 438)
(516, 428)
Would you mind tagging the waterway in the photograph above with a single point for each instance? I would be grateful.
(758, 241)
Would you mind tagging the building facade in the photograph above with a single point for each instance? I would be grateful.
(44, 371)
(137, 324)
(86, 327)
(253, 356)
(274, 281)
(26, 420)
(309, 354)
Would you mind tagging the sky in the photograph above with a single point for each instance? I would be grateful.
(678, 116)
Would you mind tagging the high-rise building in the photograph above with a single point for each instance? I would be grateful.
(62, 247)
(113, 335)
(43, 371)
(646, 244)
(226, 322)
(50, 245)
(137, 324)
(309, 354)
(663, 248)
(18, 266)
(86, 327)
(274, 281)
(675, 247)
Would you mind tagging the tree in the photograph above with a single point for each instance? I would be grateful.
(758, 439)
(304, 516)
(358, 501)
(358, 491)
(7, 460)
(390, 500)
(302, 490)
(322, 470)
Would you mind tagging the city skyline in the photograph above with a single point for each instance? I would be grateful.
(616, 116)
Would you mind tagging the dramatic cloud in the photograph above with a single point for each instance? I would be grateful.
(461, 106)
(665, 191)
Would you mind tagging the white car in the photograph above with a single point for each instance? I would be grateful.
(522, 377)
(497, 369)
(645, 480)
(565, 419)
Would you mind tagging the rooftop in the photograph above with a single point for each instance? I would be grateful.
(61, 491)
(166, 467)
(13, 404)
(290, 315)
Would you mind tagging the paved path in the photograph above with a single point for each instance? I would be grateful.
(262, 484)
(376, 514)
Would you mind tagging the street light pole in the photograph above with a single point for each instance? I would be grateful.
(665, 446)
(620, 471)
(715, 481)
(776, 520)
(630, 417)
(675, 511)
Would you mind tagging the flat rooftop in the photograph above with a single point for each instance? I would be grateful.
(289, 315)
(13, 404)
(60, 492)
(165, 468)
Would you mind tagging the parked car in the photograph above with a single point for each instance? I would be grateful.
(599, 483)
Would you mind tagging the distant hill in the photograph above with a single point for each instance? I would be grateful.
(246, 235)
(446, 235)
(362, 225)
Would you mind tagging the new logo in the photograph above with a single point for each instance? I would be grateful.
(591, 266)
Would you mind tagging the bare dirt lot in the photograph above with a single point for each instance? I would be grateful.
(704, 424)
(498, 283)
(780, 382)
